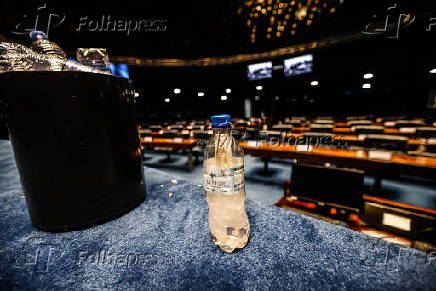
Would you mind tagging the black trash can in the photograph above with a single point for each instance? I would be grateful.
(76, 144)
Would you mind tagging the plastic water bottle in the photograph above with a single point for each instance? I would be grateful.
(52, 52)
(17, 57)
(42, 45)
(223, 179)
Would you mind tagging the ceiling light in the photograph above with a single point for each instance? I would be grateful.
(368, 76)
(228, 90)
(136, 94)
(366, 86)
(314, 83)
(177, 91)
(167, 100)
(433, 71)
(258, 88)
(224, 97)
(200, 94)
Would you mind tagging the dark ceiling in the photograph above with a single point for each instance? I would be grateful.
(192, 29)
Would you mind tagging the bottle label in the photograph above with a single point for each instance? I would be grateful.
(226, 181)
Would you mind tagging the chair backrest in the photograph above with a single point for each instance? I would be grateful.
(200, 134)
(155, 127)
(370, 129)
(430, 148)
(198, 127)
(385, 142)
(251, 133)
(295, 122)
(145, 132)
(170, 133)
(282, 127)
(426, 132)
(338, 187)
(176, 127)
(409, 123)
(321, 127)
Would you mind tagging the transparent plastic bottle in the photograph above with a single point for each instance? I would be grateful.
(52, 52)
(223, 179)
(17, 57)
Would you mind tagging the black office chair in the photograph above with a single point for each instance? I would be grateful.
(334, 187)
(170, 133)
(176, 127)
(367, 129)
(185, 133)
(200, 134)
(282, 127)
(409, 123)
(328, 128)
(385, 142)
(430, 148)
(295, 122)
(145, 132)
(198, 127)
(251, 133)
(426, 132)
(155, 128)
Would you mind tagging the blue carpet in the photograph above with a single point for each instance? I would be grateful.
(165, 244)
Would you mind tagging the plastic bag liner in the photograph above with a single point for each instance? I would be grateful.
(76, 145)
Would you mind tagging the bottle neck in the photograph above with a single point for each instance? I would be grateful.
(221, 130)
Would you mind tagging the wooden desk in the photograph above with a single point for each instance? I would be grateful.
(185, 144)
(355, 139)
(398, 165)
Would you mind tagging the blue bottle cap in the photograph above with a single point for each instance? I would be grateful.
(36, 34)
(221, 121)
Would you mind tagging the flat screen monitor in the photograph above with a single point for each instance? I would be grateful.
(298, 65)
(260, 71)
(121, 70)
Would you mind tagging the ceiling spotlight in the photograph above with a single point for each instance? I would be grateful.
(314, 83)
(167, 100)
(228, 90)
(200, 94)
(433, 71)
(224, 97)
(368, 76)
(177, 91)
(366, 86)
(136, 94)
(258, 88)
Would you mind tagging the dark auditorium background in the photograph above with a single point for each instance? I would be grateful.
(362, 84)
(400, 63)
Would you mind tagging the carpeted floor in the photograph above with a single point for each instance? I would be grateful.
(164, 244)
